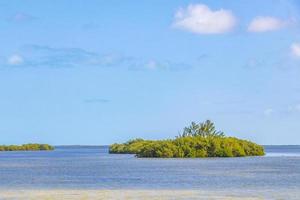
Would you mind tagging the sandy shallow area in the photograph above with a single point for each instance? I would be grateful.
(137, 195)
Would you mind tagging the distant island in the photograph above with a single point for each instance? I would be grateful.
(27, 147)
(199, 140)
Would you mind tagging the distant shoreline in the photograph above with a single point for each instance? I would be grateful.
(106, 145)
(27, 147)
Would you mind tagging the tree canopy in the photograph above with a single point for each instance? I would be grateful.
(197, 140)
(205, 129)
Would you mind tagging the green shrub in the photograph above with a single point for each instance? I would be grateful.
(204, 141)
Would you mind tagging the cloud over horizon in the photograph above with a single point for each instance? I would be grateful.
(294, 108)
(15, 59)
(96, 100)
(21, 17)
(295, 49)
(45, 56)
(200, 19)
(268, 111)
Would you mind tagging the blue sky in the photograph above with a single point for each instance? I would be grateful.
(99, 72)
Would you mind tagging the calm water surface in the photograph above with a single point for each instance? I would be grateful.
(94, 168)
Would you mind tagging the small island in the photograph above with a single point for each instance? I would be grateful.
(27, 147)
(199, 140)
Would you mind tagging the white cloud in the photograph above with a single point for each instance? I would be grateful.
(268, 112)
(295, 49)
(264, 24)
(15, 60)
(200, 19)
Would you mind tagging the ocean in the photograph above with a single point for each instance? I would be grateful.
(92, 167)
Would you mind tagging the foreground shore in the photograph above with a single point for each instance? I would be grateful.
(68, 194)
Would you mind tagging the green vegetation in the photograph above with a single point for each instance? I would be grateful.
(196, 141)
(26, 147)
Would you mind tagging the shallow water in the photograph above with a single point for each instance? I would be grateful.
(94, 168)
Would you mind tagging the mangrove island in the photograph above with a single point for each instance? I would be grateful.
(198, 140)
(27, 147)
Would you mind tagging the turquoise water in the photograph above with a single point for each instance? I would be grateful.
(94, 168)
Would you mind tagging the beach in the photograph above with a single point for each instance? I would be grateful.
(142, 194)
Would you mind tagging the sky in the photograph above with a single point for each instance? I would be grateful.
(100, 72)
